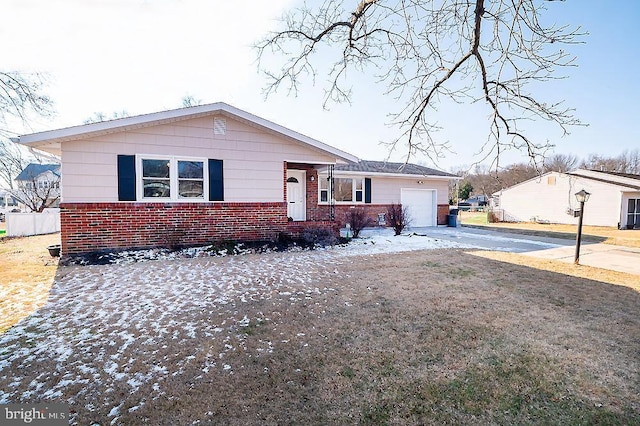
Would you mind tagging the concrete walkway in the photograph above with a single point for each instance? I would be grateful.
(598, 255)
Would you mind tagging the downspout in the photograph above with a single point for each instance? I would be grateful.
(332, 199)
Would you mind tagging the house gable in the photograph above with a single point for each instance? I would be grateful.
(51, 141)
(253, 157)
(551, 197)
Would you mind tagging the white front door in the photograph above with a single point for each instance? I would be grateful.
(296, 199)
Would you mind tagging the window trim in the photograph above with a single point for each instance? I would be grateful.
(173, 179)
(354, 191)
(635, 214)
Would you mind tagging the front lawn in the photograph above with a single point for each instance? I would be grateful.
(321, 337)
(27, 272)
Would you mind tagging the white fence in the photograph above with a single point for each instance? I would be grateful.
(23, 224)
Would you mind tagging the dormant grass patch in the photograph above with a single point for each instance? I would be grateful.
(27, 272)
(580, 271)
(422, 337)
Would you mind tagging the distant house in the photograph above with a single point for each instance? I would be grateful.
(473, 202)
(7, 203)
(214, 172)
(38, 184)
(614, 200)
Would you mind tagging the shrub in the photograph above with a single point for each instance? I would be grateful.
(397, 217)
(321, 236)
(358, 219)
(173, 237)
(225, 247)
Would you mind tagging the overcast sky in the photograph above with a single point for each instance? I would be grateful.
(143, 56)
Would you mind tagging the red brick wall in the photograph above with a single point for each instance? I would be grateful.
(372, 211)
(443, 211)
(87, 227)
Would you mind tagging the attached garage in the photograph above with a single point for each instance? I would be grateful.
(376, 185)
(421, 206)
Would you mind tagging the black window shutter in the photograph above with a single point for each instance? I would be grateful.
(216, 181)
(126, 178)
(367, 190)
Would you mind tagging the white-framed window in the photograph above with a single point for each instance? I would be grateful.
(633, 213)
(171, 178)
(347, 190)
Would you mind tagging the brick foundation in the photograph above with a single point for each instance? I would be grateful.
(371, 210)
(90, 227)
(295, 229)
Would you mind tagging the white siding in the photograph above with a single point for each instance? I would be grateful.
(386, 190)
(546, 200)
(253, 158)
(625, 205)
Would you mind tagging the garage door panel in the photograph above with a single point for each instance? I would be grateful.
(420, 206)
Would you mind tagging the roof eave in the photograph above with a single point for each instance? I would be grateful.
(396, 175)
(50, 140)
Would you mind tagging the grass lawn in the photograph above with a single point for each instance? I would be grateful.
(472, 218)
(27, 272)
(424, 337)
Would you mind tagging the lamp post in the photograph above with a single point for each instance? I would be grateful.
(582, 196)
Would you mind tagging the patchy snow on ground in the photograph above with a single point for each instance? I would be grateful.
(382, 240)
(108, 330)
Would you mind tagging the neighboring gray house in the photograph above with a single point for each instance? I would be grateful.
(37, 181)
(38, 172)
(614, 200)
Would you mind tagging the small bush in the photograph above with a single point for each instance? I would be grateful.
(398, 218)
(225, 247)
(358, 219)
(492, 217)
(321, 236)
(174, 237)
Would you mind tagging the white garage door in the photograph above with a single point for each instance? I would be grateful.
(420, 205)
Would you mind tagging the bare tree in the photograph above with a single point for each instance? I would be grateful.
(12, 161)
(190, 101)
(38, 193)
(100, 116)
(561, 163)
(15, 157)
(602, 163)
(427, 52)
(627, 162)
(486, 182)
(20, 96)
(630, 161)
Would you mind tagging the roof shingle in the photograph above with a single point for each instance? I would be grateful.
(366, 166)
(34, 170)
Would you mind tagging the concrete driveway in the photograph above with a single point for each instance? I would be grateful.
(599, 255)
(493, 240)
